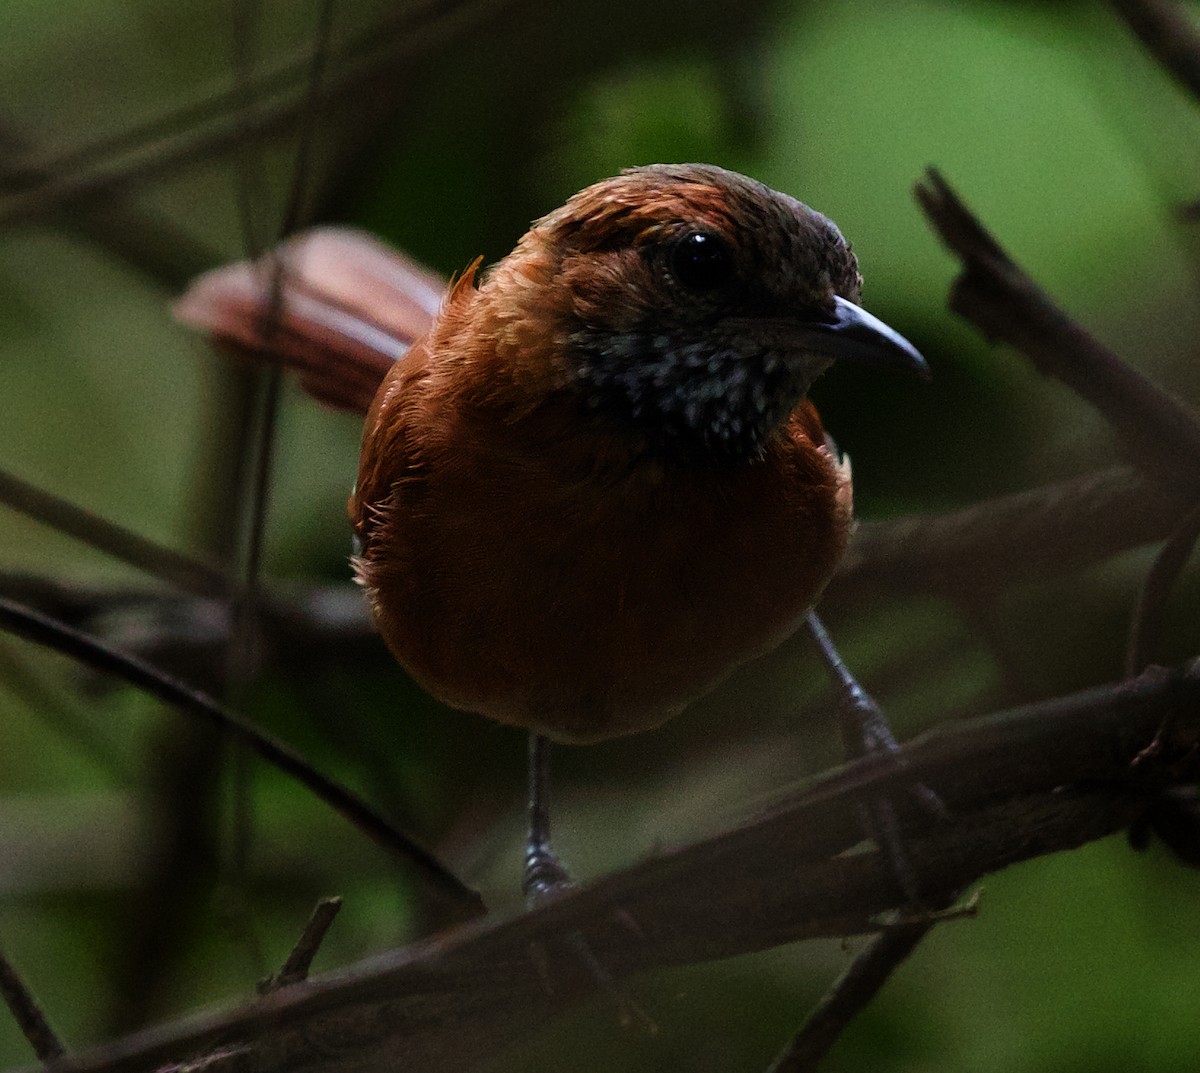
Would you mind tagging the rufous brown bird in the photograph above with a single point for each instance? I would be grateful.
(595, 486)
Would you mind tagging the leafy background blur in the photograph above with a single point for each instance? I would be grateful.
(1048, 118)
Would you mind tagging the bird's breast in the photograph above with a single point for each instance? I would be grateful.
(520, 573)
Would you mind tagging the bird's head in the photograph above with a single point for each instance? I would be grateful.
(693, 305)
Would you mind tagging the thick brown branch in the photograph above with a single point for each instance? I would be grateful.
(1019, 783)
(1169, 34)
(1159, 433)
(1012, 538)
(1146, 627)
(996, 543)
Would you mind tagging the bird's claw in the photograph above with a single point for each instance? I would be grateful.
(544, 877)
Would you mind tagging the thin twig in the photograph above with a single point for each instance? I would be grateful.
(858, 985)
(299, 961)
(28, 1015)
(182, 786)
(1146, 625)
(225, 104)
(849, 995)
(149, 243)
(295, 210)
(226, 127)
(242, 652)
(48, 704)
(256, 441)
(190, 575)
(1160, 434)
(45, 631)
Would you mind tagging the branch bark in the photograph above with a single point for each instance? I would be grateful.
(28, 1014)
(999, 542)
(1013, 538)
(1169, 35)
(457, 900)
(1019, 784)
(1158, 432)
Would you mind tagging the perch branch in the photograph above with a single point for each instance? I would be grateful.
(993, 544)
(1019, 784)
(1012, 538)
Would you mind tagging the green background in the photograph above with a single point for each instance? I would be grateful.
(1048, 118)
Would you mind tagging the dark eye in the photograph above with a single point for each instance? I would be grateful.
(701, 262)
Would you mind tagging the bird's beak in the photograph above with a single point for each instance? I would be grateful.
(855, 335)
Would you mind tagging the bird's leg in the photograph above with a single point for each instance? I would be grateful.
(864, 731)
(863, 724)
(544, 874)
(545, 877)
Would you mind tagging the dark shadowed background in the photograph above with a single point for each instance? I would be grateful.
(458, 124)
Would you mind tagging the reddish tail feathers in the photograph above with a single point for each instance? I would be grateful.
(349, 307)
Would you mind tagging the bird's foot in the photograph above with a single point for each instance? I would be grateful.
(865, 733)
(545, 877)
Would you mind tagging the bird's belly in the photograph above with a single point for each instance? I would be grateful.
(586, 627)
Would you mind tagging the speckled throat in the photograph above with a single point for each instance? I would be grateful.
(694, 400)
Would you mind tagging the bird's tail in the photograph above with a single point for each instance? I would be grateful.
(332, 304)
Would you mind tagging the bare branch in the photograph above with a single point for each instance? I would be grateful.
(150, 243)
(299, 961)
(217, 125)
(1170, 36)
(1151, 606)
(1012, 538)
(190, 575)
(1160, 434)
(850, 994)
(28, 1015)
(44, 631)
(992, 544)
(1019, 784)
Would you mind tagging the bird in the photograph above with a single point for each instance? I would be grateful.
(596, 485)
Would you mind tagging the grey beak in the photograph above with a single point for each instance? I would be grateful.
(855, 335)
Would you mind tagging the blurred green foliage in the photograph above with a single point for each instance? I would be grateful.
(1049, 119)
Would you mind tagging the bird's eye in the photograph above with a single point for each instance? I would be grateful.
(701, 262)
